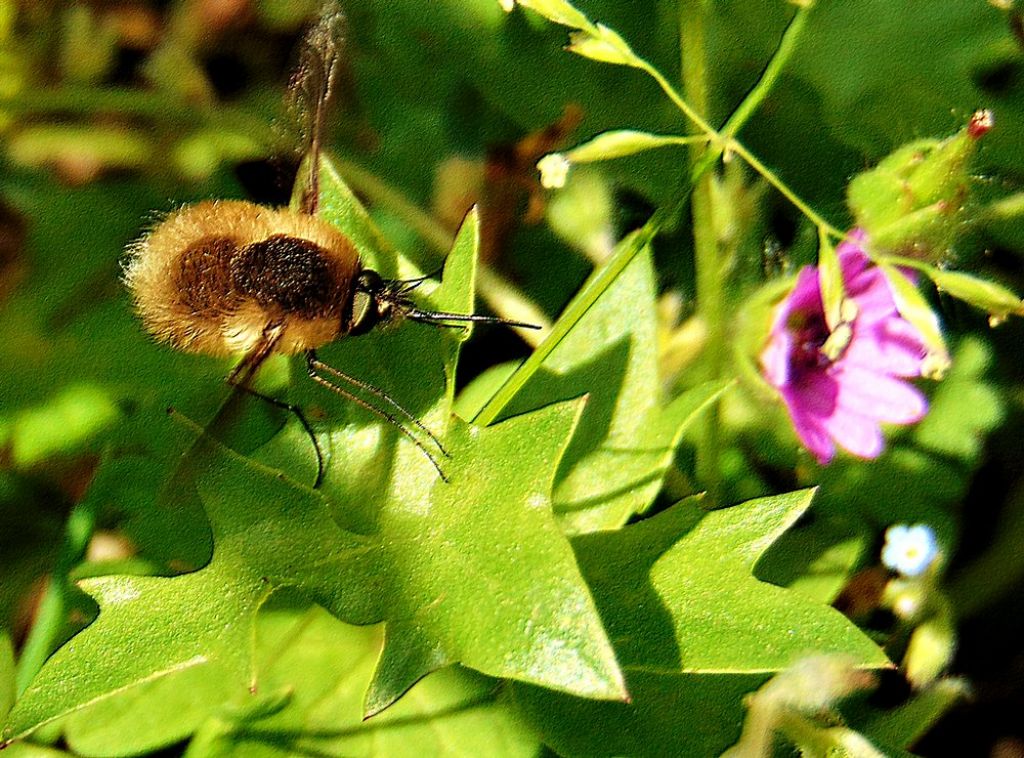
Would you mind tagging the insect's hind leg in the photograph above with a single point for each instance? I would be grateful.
(243, 373)
(297, 411)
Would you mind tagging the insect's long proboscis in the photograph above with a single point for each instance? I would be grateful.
(438, 318)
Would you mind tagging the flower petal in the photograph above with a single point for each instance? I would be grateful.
(879, 396)
(856, 434)
(813, 435)
(842, 396)
(816, 394)
(892, 347)
(873, 295)
(804, 298)
(775, 358)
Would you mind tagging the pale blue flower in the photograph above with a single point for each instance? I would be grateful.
(909, 550)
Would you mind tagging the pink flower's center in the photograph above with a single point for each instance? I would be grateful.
(810, 333)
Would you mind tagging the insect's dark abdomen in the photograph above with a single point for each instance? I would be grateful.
(203, 275)
(287, 273)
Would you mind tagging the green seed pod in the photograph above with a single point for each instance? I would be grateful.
(912, 203)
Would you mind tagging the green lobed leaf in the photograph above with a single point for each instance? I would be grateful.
(691, 624)
(681, 714)
(615, 463)
(148, 628)
(150, 715)
(491, 522)
(423, 537)
(326, 666)
(378, 500)
(463, 564)
(817, 556)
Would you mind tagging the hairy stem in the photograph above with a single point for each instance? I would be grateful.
(710, 280)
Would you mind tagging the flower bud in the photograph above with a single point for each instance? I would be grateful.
(602, 44)
(557, 11)
(911, 203)
(930, 650)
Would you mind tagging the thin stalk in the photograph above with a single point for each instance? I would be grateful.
(592, 289)
(784, 190)
(709, 271)
(678, 100)
(768, 77)
(723, 141)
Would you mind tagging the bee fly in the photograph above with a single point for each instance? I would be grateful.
(230, 277)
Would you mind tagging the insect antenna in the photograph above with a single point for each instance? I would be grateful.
(396, 293)
(314, 366)
(405, 286)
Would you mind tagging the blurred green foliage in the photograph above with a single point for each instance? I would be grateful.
(467, 608)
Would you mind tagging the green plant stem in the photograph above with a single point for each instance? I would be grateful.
(51, 618)
(631, 247)
(497, 292)
(768, 77)
(783, 189)
(709, 271)
(723, 142)
(592, 289)
(599, 281)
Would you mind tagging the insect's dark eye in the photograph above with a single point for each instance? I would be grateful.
(368, 309)
(369, 281)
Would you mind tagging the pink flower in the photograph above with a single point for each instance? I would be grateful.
(844, 399)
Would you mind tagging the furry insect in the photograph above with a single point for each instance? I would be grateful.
(231, 277)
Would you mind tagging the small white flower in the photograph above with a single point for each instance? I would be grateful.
(909, 550)
(554, 168)
(507, 5)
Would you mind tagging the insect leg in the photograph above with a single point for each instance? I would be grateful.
(314, 365)
(319, 365)
(292, 408)
(243, 373)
